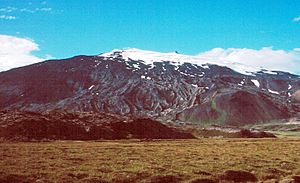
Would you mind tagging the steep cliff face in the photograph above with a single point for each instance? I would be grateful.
(138, 83)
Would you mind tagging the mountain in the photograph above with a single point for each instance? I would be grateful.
(168, 87)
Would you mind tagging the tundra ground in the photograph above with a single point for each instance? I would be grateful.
(269, 160)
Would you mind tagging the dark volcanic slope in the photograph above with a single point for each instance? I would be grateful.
(162, 90)
(59, 125)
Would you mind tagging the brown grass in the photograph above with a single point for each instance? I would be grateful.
(146, 161)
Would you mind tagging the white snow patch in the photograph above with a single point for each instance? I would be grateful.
(205, 66)
(143, 77)
(183, 73)
(242, 82)
(274, 92)
(269, 72)
(98, 63)
(136, 66)
(149, 57)
(149, 78)
(195, 85)
(290, 87)
(255, 82)
(195, 66)
(91, 87)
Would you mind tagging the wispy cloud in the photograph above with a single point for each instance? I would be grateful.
(26, 10)
(9, 12)
(296, 19)
(43, 9)
(8, 9)
(7, 17)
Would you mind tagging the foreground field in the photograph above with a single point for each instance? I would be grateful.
(150, 161)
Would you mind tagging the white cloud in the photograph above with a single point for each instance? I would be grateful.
(26, 10)
(8, 9)
(296, 19)
(11, 9)
(17, 52)
(297, 49)
(7, 17)
(266, 58)
(43, 9)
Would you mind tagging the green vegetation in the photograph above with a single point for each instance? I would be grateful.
(278, 128)
(222, 114)
(286, 133)
(146, 161)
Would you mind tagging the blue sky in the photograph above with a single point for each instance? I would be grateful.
(63, 28)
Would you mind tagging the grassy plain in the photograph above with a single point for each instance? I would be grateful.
(148, 161)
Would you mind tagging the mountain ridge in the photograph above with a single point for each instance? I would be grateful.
(175, 90)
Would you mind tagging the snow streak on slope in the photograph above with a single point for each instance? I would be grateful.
(177, 59)
(255, 82)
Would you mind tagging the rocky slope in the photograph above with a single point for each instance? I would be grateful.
(60, 125)
(160, 86)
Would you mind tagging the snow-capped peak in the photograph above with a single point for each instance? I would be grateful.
(149, 57)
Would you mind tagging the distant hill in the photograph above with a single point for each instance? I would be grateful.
(59, 125)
